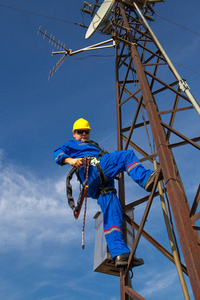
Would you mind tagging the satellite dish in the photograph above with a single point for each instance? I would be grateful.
(100, 17)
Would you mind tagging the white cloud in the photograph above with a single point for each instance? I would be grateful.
(34, 211)
(158, 283)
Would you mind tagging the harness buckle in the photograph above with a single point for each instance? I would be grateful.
(94, 161)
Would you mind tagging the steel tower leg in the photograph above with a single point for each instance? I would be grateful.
(125, 37)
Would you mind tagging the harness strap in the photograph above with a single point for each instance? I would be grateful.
(102, 151)
(108, 190)
(69, 193)
(69, 188)
(102, 190)
(101, 176)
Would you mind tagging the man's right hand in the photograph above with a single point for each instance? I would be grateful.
(74, 162)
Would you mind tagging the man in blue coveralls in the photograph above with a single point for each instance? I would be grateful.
(111, 164)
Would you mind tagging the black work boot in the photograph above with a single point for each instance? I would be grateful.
(122, 261)
(136, 262)
(150, 181)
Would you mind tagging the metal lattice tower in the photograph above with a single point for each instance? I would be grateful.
(145, 78)
(139, 67)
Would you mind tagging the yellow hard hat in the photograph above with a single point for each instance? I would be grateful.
(81, 124)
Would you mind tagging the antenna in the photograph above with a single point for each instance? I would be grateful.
(59, 63)
(68, 52)
(56, 44)
(100, 17)
(87, 8)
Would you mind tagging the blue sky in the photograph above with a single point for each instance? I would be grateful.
(40, 242)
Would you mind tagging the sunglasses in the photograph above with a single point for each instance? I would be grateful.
(81, 131)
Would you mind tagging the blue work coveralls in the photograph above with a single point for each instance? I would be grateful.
(111, 164)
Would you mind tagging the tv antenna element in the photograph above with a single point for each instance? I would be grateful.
(68, 52)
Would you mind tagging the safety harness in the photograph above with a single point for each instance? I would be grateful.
(93, 161)
(88, 161)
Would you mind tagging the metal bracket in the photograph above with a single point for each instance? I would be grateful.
(183, 85)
